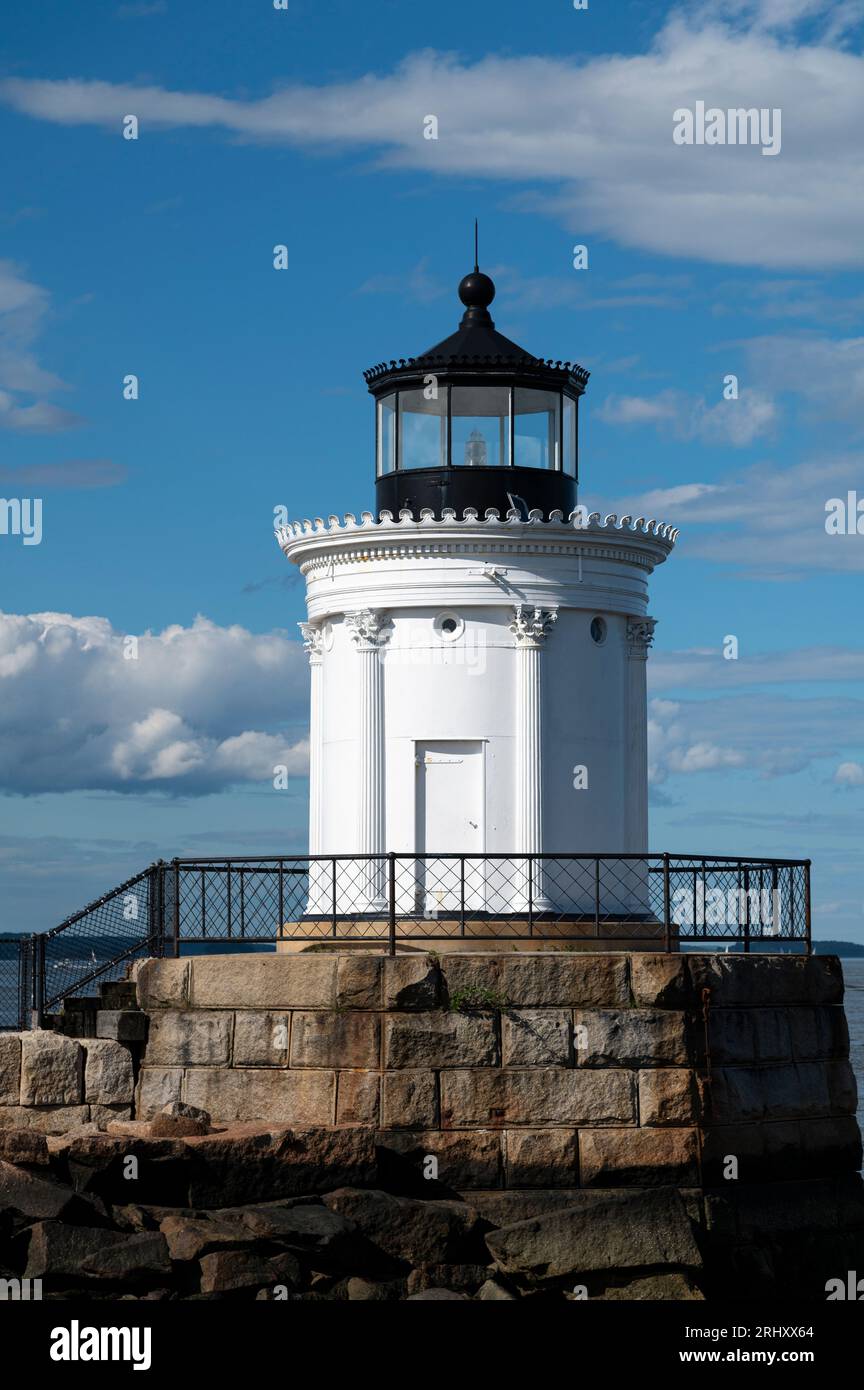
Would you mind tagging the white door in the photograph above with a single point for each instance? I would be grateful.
(450, 824)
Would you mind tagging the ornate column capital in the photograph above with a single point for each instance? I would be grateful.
(531, 626)
(640, 635)
(370, 628)
(313, 640)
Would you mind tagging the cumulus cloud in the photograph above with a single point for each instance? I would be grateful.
(737, 422)
(197, 710)
(850, 775)
(595, 132)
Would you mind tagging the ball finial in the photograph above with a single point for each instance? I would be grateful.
(476, 290)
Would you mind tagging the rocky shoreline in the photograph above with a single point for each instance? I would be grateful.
(253, 1212)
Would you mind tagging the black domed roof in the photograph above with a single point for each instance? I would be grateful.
(477, 347)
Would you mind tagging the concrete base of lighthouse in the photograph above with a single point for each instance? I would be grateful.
(315, 934)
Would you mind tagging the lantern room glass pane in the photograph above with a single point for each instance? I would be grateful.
(423, 429)
(480, 426)
(386, 435)
(536, 428)
(569, 433)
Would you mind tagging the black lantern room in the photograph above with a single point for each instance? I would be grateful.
(476, 422)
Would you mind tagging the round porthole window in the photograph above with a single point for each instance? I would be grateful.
(449, 626)
(598, 631)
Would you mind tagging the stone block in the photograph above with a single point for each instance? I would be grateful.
(536, 1037)
(545, 980)
(618, 1230)
(121, 1025)
(661, 981)
(673, 1288)
(261, 1038)
(275, 1097)
(638, 1157)
(104, 1115)
(357, 1098)
(668, 1096)
(330, 1039)
(225, 1271)
(26, 1147)
(772, 1042)
(747, 1153)
(537, 1096)
(189, 1238)
(818, 1031)
(359, 982)
(108, 1078)
(162, 984)
(52, 1069)
(541, 1157)
(44, 1119)
(842, 1087)
(411, 982)
(440, 1040)
(302, 981)
(466, 1159)
(506, 1207)
(410, 1100)
(747, 1036)
(409, 1229)
(493, 1292)
(10, 1068)
(157, 1087)
(833, 1144)
(742, 980)
(769, 1209)
(794, 1091)
(243, 1167)
(630, 1038)
(193, 1038)
(55, 1249)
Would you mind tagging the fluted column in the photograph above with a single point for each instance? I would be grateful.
(640, 635)
(530, 627)
(313, 642)
(370, 630)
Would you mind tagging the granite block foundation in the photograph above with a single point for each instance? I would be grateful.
(654, 1126)
(553, 1070)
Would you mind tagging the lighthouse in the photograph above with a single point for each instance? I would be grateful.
(478, 649)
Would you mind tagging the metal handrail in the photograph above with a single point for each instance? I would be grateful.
(245, 900)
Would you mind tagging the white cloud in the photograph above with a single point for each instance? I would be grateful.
(23, 309)
(596, 131)
(637, 410)
(837, 16)
(745, 732)
(708, 669)
(767, 521)
(826, 373)
(850, 775)
(201, 708)
(737, 422)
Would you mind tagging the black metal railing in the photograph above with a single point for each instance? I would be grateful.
(95, 944)
(16, 975)
(627, 900)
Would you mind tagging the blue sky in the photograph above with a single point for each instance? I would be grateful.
(304, 127)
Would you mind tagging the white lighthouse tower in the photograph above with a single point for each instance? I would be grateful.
(478, 648)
